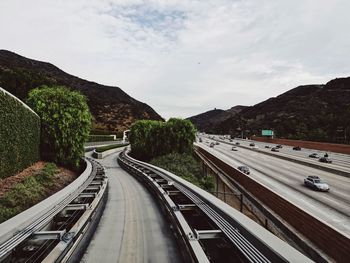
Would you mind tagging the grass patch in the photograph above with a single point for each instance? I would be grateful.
(27, 193)
(109, 147)
(187, 167)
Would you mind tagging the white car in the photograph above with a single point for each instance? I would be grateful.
(316, 183)
(234, 148)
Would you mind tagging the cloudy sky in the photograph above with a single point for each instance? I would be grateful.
(183, 57)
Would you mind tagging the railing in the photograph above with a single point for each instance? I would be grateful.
(55, 225)
(208, 229)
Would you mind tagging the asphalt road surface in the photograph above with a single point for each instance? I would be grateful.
(287, 178)
(338, 159)
(132, 227)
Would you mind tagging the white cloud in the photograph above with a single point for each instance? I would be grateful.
(185, 57)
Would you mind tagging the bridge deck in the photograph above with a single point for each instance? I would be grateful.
(132, 228)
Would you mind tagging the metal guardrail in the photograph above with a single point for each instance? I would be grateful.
(34, 242)
(234, 237)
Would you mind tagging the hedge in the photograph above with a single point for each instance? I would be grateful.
(19, 135)
(150, 139)
(110, 147)
(101, 138)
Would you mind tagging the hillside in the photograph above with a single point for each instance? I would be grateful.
(111, 107)
(209, 120)
(310, 112)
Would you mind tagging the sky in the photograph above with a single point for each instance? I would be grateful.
(185, 57)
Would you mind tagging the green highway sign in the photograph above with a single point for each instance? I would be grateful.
(267, 133)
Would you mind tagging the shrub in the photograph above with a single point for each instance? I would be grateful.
(65, 123)
(27, 193)
(150, 139)
(187, 167)
(19, 135)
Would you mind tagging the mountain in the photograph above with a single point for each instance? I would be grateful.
(208, 121)
(111, 107)
(309, 112)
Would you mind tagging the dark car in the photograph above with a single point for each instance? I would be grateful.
(200, 139)
(279, 146)
(252, 144)
(316, 183)
(217, 143)
(325, 160)
(237, 143)
(314, 155)
(267, 146)
(274, 149)
(234, 148)
(244, 169)
(212, 145)
(296, 148)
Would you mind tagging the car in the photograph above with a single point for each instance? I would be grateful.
(279, 146)
(252, 144)
(237, 143)
(274, 149)
(314, 155)
(244, 169)
(316, 183)
(267, 147)
(200, 139)
(234, 148)
(325, 160)
(230, 140)
(297, 148)
(212, 145)
(217, 143)
(255, 147)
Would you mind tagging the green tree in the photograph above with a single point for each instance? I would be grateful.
(65, 123)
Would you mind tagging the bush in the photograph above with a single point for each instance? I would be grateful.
(187, 167)
(65, 123)
(19, 135)
(150, 139)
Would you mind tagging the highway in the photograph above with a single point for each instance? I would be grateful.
(286, 178)
(132, 227)
(338, 159)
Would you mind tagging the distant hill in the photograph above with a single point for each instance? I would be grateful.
(210, 120)
(111, 107)
(310, 112)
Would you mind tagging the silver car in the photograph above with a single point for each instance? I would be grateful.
(316, 183)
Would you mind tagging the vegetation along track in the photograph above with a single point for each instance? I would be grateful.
(54, 235)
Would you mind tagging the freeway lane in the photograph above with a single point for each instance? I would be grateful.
(132, 227)
(286, 178)
(341, 160)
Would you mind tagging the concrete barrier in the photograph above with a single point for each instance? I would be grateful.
(102, 155)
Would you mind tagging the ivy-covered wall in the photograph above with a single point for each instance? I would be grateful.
(19, 135)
